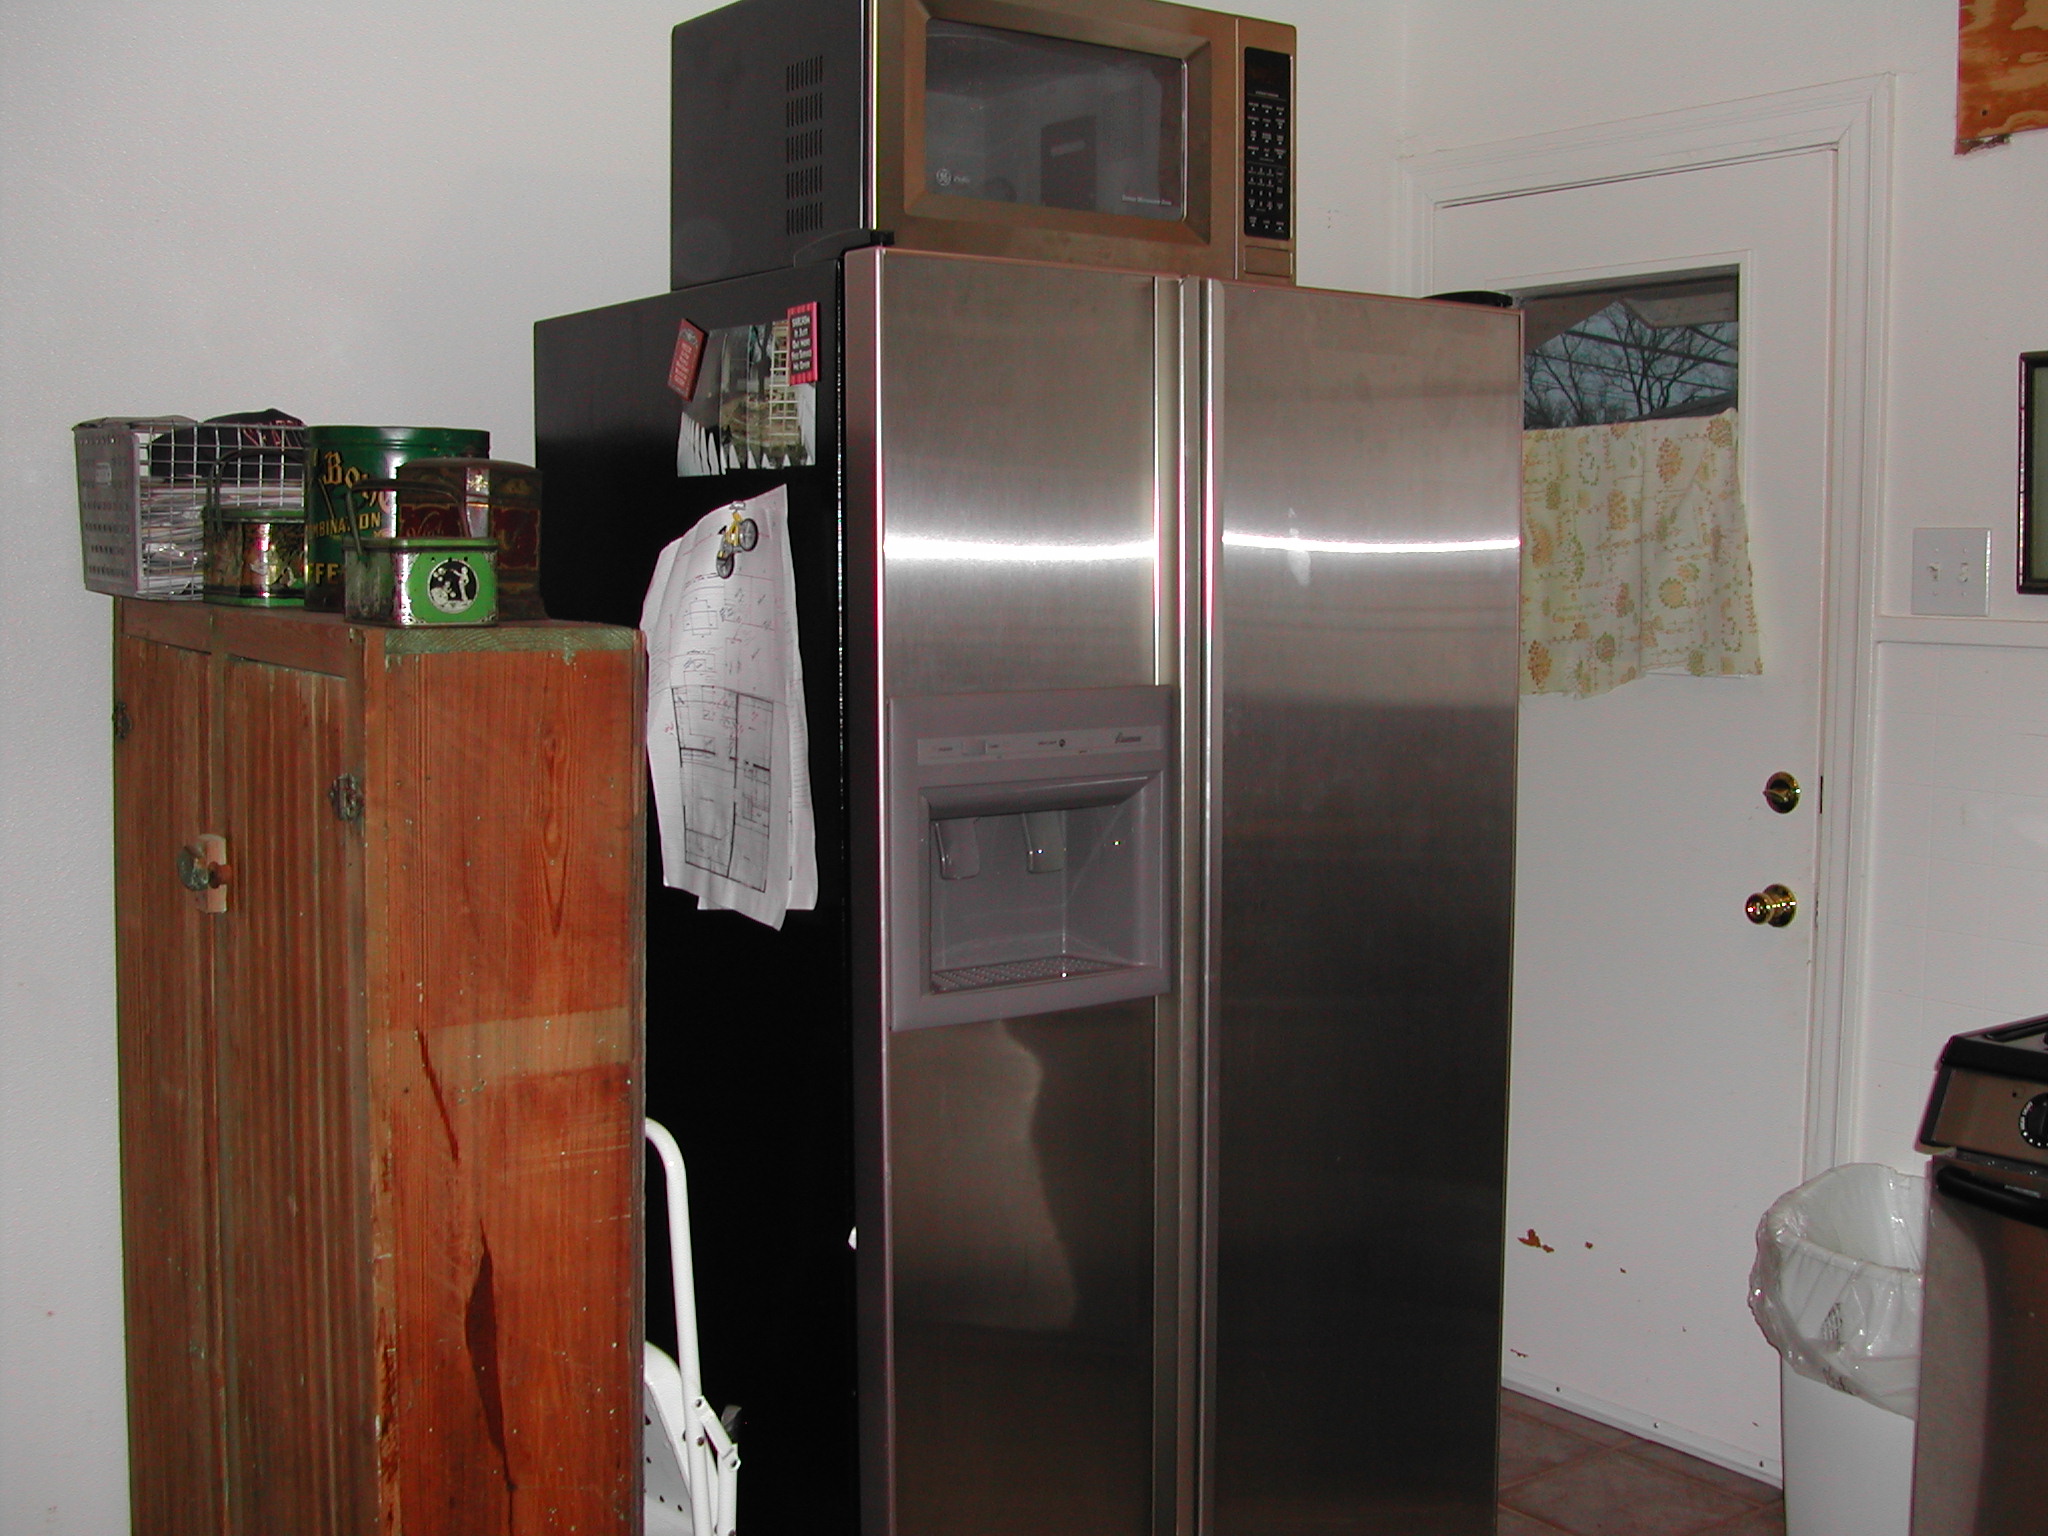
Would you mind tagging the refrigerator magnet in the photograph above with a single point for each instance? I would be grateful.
(803, 344)
(686, 360)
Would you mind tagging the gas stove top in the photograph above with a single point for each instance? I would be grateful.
(1991, 1095)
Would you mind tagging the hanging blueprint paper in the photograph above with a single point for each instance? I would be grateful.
(726, 737)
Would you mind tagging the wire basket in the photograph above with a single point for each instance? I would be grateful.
(143, 483)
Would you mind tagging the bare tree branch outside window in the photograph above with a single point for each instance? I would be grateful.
(1615, 365)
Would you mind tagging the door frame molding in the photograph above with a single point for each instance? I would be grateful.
(1852, 120)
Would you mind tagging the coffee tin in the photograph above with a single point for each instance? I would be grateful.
(255, 557)
(414, 582)
(500, 500)
(338, 460)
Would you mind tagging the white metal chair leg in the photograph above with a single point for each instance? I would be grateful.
(703, 1452)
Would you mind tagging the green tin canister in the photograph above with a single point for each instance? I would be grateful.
(338, 459)
(255, 557)
(417, 582)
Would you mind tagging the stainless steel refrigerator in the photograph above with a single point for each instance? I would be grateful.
(1150, 1030)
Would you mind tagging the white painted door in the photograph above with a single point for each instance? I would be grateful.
(1660, 1039)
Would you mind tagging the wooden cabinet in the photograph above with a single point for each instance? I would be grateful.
(380, 1117)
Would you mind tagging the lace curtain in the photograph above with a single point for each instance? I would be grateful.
(1635, 555)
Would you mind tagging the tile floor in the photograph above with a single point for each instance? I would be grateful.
(1560, 1473)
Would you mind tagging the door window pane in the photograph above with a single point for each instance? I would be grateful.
(1633, 352)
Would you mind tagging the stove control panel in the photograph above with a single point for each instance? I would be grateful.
(2034, 1121)
(1989, 1114)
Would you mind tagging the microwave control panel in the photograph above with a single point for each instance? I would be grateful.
(1268, 137)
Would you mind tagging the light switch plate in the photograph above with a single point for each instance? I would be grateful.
(1951, 570)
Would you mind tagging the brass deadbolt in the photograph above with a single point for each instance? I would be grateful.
(1773, 904)
(1781, 792)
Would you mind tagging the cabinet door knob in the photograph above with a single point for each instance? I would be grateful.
(203, 871)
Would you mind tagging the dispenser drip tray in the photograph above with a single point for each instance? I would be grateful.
(1008, 973)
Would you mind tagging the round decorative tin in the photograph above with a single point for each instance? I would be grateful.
(256, 558)
(412, 582)
(338, 459)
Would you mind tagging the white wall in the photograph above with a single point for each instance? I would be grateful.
(353, 211)
(1960, 873)
(1347, 143)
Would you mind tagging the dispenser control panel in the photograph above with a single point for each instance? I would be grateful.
(1079, 742)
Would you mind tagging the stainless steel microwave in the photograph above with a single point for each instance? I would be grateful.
(1115, 133)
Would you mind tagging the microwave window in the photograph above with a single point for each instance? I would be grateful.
(1014, 118)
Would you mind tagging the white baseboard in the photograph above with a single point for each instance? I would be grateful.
(1765, 1470)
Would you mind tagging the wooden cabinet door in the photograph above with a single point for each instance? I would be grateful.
(170, 1248)
(503, 892)
(290, 1075)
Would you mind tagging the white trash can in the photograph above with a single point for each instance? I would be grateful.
(1836, 1289)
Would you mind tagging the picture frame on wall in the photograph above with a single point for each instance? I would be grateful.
(2034, 472)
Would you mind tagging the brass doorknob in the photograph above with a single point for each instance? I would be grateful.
(1773, 904)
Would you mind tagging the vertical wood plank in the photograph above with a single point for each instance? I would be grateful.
(289, 1072)
(164, 991)
(504, 872)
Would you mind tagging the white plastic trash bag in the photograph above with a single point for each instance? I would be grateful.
(1836, 1285)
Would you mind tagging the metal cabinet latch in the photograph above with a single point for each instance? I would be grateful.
(346, 796)
(204, 872)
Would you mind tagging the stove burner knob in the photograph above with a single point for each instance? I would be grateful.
(2034, 1121)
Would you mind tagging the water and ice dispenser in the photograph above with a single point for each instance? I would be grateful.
(1027, 847)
